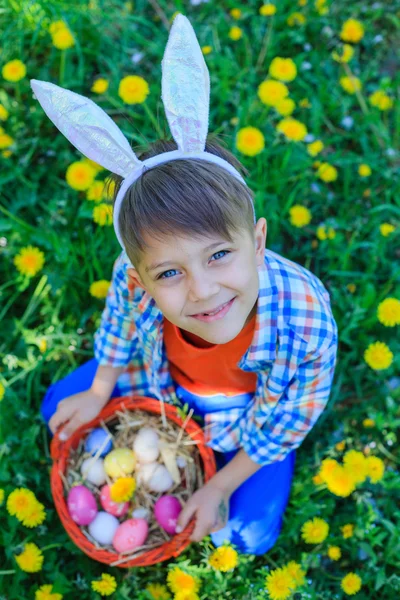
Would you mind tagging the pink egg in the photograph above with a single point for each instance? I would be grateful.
(130, 535)
(118, 509)
(166, 511)
(81, 505)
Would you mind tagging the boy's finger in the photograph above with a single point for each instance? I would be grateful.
(185, 516)
(70, 427)
(56, 420)
(203, 528)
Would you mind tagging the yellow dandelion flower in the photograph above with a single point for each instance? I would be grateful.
(2, 494)
(133, 89)
(386, 229)
(285, 107)
(178, 580)
(346, 56)
(368, 423)
(327, 172)
(57, 26)
(100, 86)
(340, 446)
(320, 7)
(381, 100)
(376, 468)
(283, 69)
(351, 584)
(314, 531)
(42, 345)
(45, 592)
(296, 572)
(302, 2)
(3, 113)
(356, 463)
(267, 10)
(99, 289)
(305, 103)
(63, 39)
(352, 31)
(14, 71)
(296, 18)
(334, 552)
(103, 214)
(378, 356)
(20, 502)
(351, 287)
(364, 170)
(80, 175)
(279, 584)
(2, 391)
(325, 233)
(235, 13)
(341, 481)
(250, 141)
(388, 312)
(29, 261)
(351, 84)
(300, 216)
(122, 490)
(35, 517)
(224, 558)
(30, 559)
(235, 33)
(5, 141)
(292, 129)
(105, 586)
(347, 530)
(182, 595)
(96, 191)
(158, 591)
(317, 479)
(206, 50)
(272, 92)
(328, 466)
(315, 147)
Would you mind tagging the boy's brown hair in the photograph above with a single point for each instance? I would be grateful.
(184, 197)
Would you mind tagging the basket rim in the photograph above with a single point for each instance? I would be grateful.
(60, 451)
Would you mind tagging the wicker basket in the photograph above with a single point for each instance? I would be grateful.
(60, 453)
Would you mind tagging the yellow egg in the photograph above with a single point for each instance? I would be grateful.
(120, 462)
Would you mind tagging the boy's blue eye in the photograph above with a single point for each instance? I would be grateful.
(161, 276)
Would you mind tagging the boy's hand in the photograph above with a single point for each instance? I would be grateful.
(210, 506)
(77, 410)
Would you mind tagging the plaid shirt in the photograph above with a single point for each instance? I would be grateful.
(293, 352)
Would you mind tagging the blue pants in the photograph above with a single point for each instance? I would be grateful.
(256, 507)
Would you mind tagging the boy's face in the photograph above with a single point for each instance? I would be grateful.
(198, 279)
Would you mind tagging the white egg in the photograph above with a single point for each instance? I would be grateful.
(156, 477)
(146, 445)
(140, 513)
(103, 528)
(93, 471)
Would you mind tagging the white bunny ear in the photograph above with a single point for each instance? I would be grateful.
(87, 127)
(185, 87)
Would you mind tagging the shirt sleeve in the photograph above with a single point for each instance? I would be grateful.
(295, 413)
(116, 341)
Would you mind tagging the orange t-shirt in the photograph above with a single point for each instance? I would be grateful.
(209, 368)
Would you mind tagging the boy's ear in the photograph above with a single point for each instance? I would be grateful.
(260, 234)
(134, 275)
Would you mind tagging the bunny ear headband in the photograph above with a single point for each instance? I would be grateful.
(186, 99)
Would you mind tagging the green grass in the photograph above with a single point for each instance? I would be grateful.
(38, 208)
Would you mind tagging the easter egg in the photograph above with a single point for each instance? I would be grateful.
(93, 471)
(130, 535)
(140, 513)
(166, 511)
(96, 439)
(103, 527)
(156, 477)
(120, 462)
(81, 505)
(146, 445)
(118, 509)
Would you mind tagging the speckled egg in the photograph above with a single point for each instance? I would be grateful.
(81, 505)
(130, 535)
(120, 462)
(103, 528)
(93, 471)
(118, 509)
(166, 511)
(96, 439)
